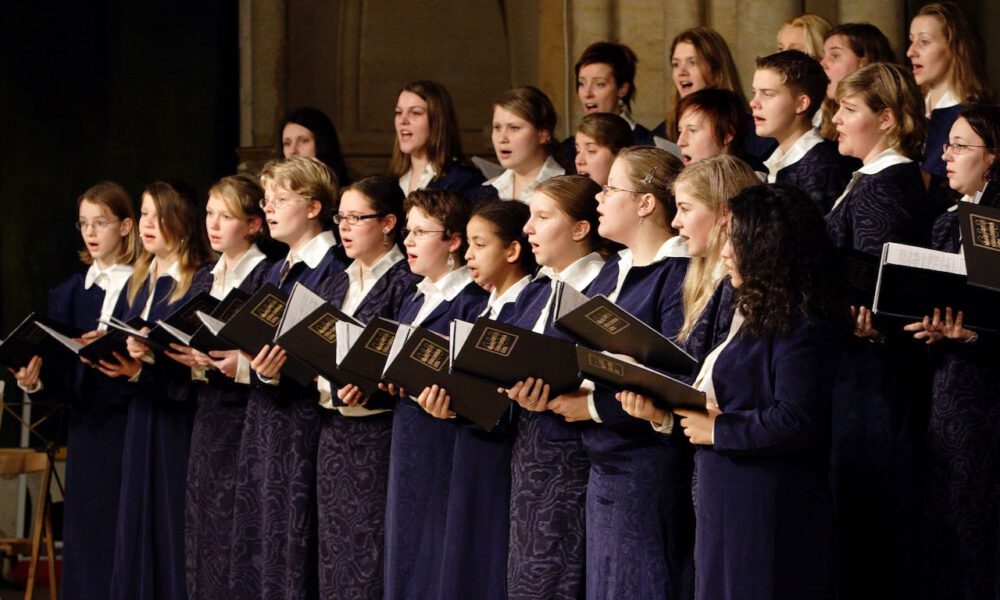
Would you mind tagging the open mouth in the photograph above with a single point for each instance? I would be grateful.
(686, 86)
(686, 158)
(590, 107)
(504, 154)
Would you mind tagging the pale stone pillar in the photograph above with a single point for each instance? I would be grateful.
(263, 76)
(888, 15)
(750, 27)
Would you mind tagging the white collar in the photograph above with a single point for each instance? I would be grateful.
(113, 277)
(174, 271)
(246, 263)
(504, 183)
(355, 271)
(448, 286)
(948, 100)
(628, 119)
(579, 274)
(883, 161)
(313, 252)
(779, 160)
(672, 248)
(426, 176)
(965, 198)
(494, 304)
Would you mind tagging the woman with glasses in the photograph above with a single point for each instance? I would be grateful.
(274, 550)
(420, 462)
(961, 528)
(97, 413)
(353, 457)
(427, 151)
(878, 398)
(234, 221)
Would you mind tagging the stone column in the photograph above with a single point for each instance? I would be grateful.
(263, 76)
(889, 16)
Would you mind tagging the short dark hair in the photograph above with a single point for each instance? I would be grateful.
(787, 262)
(385, 197)
(985, 121)
(508, 220)
(801, 73)
(725, 109)
(866, 41)
(619, 57)
(445, 206)
(576, 196)
(608, 131)
(325, 134)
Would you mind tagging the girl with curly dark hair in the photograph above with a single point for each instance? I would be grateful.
(764, 511)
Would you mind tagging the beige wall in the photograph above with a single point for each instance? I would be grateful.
(350, 57)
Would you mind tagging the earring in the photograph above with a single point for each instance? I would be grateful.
(385, 238)
(451, 262)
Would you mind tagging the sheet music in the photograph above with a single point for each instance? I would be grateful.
(177, 333)
(301, 302)
(459, 333)
(214, 325)
(69, 342)
(924, 258)
(567, 299)
(402, 334)
(490, 170)
(347, 335)
(665, 144)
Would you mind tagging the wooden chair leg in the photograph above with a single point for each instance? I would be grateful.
(36, 533)
(50, 551)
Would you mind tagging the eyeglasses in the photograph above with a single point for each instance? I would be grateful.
(957, 149)
(354, 219)
(419, 233)
(280, 202)
(98, 224)
(610, 189)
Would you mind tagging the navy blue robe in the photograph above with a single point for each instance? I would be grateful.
(548, 486)
(352, 469)
(822, 174)
(274, 552)
(765, 516)
(459, 177)
(961, 520)
(420, 466)
(95, 433)
(938, 127)
(149, 552)
(211, 480)
(640, 519)
(880, 400)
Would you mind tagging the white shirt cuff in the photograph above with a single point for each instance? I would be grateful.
(33, 390)
(242, 370)
(666, 427)
(199, 373)
(591, 404)
(325, 392)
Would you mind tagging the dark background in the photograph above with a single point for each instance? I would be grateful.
(118, 90)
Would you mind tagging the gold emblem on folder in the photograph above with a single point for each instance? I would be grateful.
(325, 327)
(430, 355)
(381, 341)
(496, 341)
(985, 232)
(269, 310)
(601, 362)
(607, 320)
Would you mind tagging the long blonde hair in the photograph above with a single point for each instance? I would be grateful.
(713, 182)
(815, 28)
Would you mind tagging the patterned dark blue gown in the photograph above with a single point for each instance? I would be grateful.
(352, 470)
(96, 430)
(961, 516)
(640, 521)
(880, 399)
(215, 443)
(274, 548)
(149, 552)
(822, 174)
(420, 466)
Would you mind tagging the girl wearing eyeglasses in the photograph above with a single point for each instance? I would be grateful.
(963, 472)
(275, 507)
(149, 551)
(548, 465)
(234, 221)
(97, 414)
(631, 549)
(427, 152)
(475, 560)
(353, 456)
(420, 462)
(876, 442)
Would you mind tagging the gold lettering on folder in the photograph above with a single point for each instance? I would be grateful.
(985, 232)
(381, 341)
(601, 362)
(325, 327)
(496, 341)
(607, 320)
(430, 355)
(269, 310)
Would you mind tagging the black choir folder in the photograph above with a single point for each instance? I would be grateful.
(505, 354)
(619, 374)
(255, 325)
(29, 339)
(419, 358)
(361, 356)
(177, 327)
(913, 281)
(599, 323)
(980, 227)
(860, 273)
(203, 339)
(102, 348)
